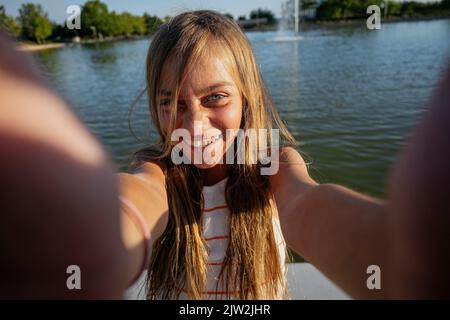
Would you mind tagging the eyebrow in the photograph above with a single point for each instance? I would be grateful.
(215, 86)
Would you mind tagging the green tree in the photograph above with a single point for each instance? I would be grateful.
(306, 4)
(139, 26)
(344, 9)
(445, 4)
(152, 23)
(131, 25)
(394, 8)
(9, 24)
(263, 13)
(126, 24)
(96, 20)
(407, 9)
(356, 9)
(229, 15)
(112, 25)
(60, 33)
(35, 23)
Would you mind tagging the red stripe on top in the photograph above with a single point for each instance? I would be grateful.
(221, 292)
(223, 206)
(215, 263)
(217, 237)
(214, 292)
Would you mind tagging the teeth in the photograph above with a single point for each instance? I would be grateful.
(204, 143)
(197, 143)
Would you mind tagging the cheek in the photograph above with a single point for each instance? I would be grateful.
(230, 117)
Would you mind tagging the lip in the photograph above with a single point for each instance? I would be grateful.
(208, 149)
(211, 144)
(208, 135)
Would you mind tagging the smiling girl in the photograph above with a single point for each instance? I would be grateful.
(207, 230)
(223, 236)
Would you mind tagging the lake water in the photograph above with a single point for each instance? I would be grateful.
(349, 95)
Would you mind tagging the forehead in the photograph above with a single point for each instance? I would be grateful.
(207, 69)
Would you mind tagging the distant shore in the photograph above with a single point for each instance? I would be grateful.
(305, 25)
(31, 47)
(383, 20)
(313, 24)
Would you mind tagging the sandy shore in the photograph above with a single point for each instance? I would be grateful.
(38, 47)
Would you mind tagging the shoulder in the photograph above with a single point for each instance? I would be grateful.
(292, 176)
(290, 156)
(154, 168)
(150, 175)
(145, 190)
(290, 163)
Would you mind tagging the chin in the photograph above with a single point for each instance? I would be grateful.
(205, 166)
(207, 157)
(210, 163)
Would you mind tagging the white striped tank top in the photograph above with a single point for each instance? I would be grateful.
(216, 230)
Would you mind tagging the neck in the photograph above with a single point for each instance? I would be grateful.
(215, 174)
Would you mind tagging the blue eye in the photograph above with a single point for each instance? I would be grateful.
(216, 96)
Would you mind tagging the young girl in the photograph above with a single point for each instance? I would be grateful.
(210, 229)
(223, 236)
(219, 234)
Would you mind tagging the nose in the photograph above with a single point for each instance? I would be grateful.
(195, 119)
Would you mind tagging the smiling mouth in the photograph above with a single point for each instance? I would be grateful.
(205, 142)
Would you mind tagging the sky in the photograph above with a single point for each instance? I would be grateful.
(56, 9)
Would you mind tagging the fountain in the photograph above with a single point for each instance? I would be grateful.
(289, 36)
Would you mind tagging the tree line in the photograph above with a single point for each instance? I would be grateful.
(356, 9)
(33, 24)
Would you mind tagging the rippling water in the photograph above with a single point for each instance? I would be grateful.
(349, 95)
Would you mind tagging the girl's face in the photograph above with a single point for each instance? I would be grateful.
(209, 103)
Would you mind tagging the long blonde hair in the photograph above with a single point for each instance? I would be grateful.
(251, 268)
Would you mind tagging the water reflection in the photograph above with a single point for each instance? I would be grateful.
(104, 58)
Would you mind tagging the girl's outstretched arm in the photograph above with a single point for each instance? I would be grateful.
(338, 230)
(343, 232)
(144, 193)
(59, 197)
